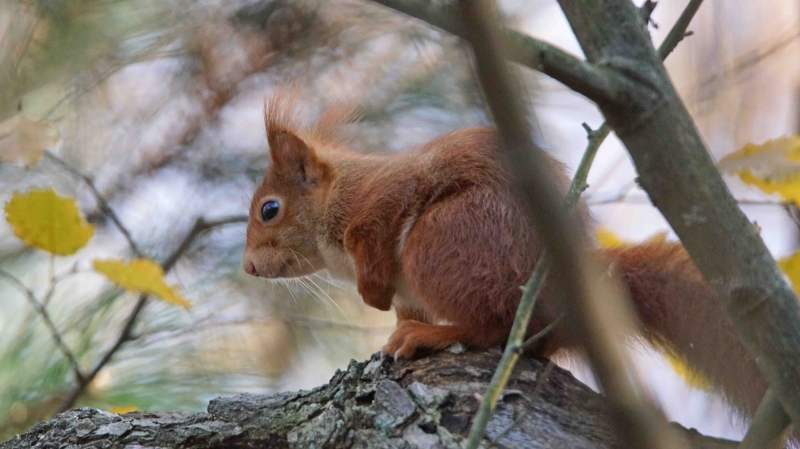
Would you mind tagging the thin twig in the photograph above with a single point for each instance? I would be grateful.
(537, 338)
(739, 66)
(126, 334)
(101, 201)
(51, 288)
(596, 83)
(536, 281)
(678, 31)
(540, 381)
(769, 425)
(39, 308)
(530, 293)
(625, 199)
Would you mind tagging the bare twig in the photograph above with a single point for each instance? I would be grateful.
(51, 288)
(40, 309)
(748, 62)
(623, 199)
(540, 381)
(126, 334)
(682, 180)
(678, 31)
(769, 425)
(532, 342)
(596, 83)
(101, 201)
(599, 318)
(530, 292)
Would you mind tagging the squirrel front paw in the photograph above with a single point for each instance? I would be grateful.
(412, 335)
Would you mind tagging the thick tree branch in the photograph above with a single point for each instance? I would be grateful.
(679, 176)
(593, 81)
(425, 404)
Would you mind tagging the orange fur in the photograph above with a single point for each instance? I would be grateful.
(439, 234)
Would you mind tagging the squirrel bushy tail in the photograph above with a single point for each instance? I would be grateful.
(677, 309)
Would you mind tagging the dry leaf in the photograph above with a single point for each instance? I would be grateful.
(140, 276)
(46, 221)
(23, 140)
(791, 268)
(607, 239)
(123, 409)
(773, 167)
(691, 377)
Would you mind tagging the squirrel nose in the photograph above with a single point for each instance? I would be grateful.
(249, 266)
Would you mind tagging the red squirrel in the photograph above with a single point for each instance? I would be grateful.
(439, 233)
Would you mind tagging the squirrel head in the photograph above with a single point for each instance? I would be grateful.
(287, 205)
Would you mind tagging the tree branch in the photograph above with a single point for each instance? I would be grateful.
(678, 31)
(679, 176)
(126, 334)
(372, 404)
(599, 318)
(101, 201)
(768, 428)
(42, 311)
(593, 81)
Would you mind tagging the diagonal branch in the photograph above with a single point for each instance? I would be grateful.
(126, 334)
(593, 81)
(678, 31)
(101, 201)
(42, 311)
(540, 272)
(683, 183)
(597, 316)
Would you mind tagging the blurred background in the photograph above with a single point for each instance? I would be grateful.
(160, 102)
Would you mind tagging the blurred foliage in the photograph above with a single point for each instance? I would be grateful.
(773, 167)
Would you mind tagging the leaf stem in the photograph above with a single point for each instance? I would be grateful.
(54, 332)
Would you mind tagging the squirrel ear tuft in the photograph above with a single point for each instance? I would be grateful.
(294, 159)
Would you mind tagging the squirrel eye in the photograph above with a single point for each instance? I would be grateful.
(269, 210)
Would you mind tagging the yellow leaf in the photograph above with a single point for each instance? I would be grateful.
(123, 409)
(140, 276)
(607, 239)
(791, 267)
(46, 221)
(23, 140)
(773, 167)
(691, 377)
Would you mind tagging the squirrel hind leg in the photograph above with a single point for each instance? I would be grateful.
(411, 336)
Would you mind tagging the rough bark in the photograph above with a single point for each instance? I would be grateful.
(682, 181)
(426, 403)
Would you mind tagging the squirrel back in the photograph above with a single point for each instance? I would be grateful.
(440, 234)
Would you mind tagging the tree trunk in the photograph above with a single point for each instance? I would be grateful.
(425, 403)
